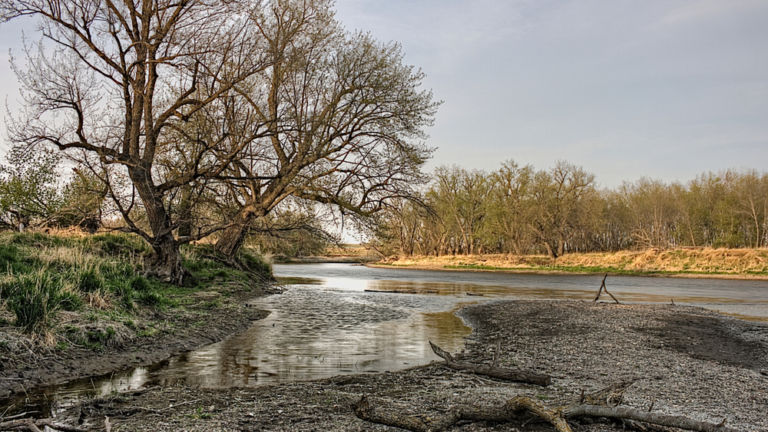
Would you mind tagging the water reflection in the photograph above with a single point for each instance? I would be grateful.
(331, 321)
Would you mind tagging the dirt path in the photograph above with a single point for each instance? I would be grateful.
(687, 361)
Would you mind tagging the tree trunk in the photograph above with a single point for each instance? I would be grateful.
(232, 238)
(165, 262)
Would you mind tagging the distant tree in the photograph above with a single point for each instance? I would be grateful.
(460, 197)
(560, 205)
(509, 211)
(29, 190)
(82, 200)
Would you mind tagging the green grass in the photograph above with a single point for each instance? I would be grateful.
(34, 298)
(41, 275)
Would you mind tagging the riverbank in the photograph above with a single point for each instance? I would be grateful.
(688, 263)
(686, 361)
(77, 306)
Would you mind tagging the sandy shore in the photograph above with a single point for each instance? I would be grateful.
(687, 361)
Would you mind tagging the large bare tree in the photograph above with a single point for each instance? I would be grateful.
(344, 120)
(114, 81)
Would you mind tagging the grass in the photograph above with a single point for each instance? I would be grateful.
(591, 270)
(99, 278)
(687, 261)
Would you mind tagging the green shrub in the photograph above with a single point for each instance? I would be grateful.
(117, 270)
(122, 289)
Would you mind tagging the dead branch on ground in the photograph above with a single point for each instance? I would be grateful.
(393, 414)
(505, 374)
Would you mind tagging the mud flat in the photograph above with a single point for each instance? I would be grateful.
(27, 363)
(686, 361)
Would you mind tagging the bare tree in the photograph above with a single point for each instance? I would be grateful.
(344, 120)
(112, 79)
(560, 195)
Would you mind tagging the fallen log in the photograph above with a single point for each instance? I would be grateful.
(394, 415)
(505, 374)
(386, 412)
(624, 413)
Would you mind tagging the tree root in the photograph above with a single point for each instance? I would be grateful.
(505, 374)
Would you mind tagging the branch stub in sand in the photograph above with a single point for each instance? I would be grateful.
(505, 374)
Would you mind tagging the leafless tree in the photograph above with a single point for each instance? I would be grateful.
(116, 81)
(344, 120)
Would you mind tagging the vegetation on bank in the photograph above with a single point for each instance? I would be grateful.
(704, 261)
(90, 290)
(521, 210)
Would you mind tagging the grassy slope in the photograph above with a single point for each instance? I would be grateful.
(723, 262)
(88, 291)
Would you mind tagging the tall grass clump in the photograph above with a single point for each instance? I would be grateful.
(34, 298)
(255, 263)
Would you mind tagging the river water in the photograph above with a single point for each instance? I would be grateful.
(330, 320)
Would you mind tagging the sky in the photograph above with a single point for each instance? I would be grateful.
(659, 88)
(665, 89)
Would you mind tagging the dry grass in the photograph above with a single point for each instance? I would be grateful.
(689, 260)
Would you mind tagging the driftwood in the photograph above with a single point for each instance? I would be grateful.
(33, 425)
(505, 374)
(388, 413)
(604, 288)
(600, 404)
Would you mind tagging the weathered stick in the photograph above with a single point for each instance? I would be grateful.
(643, 416)
(602, 288)
(505, 374)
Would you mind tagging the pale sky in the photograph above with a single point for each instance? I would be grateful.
(659, 88)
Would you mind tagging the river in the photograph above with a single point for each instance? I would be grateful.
(330, 320)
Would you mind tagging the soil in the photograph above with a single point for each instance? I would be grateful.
(28, 363)
(686, 361)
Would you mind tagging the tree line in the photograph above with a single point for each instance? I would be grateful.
(520, 210)
(200, 118)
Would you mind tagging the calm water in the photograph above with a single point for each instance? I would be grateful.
(330, 321)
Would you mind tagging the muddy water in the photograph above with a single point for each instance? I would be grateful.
(331, 320)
